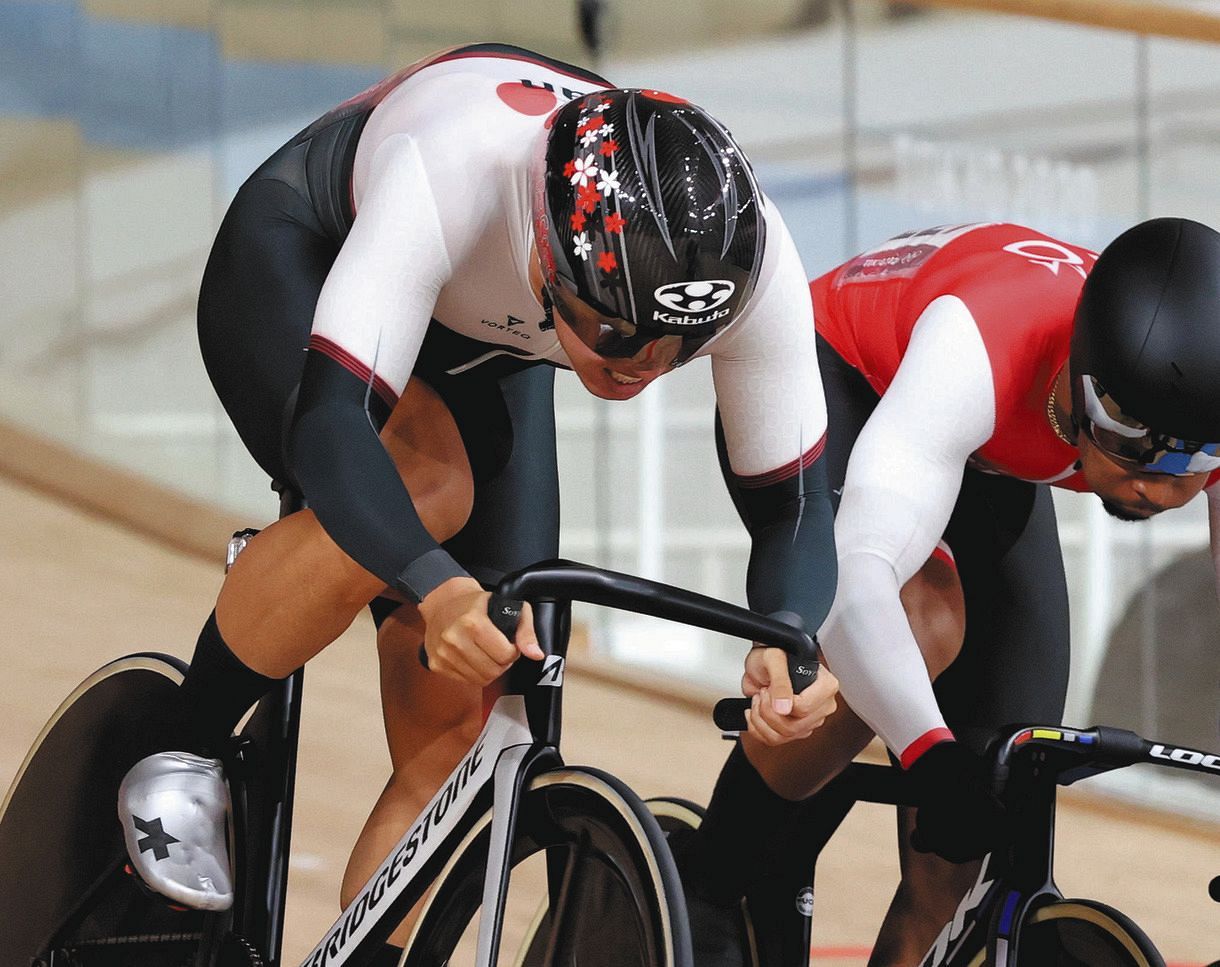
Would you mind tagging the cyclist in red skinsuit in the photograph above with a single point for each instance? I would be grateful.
(1025, 324)
(966, 373)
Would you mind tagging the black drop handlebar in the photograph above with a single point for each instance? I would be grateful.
(567, 581)
(1076, 753)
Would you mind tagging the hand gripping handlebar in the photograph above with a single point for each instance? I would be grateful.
(567, 581)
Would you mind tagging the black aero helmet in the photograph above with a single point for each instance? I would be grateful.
(1145, 358)
(646, 210)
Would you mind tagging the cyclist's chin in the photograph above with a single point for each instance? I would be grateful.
(601, 381)
(1125, 513)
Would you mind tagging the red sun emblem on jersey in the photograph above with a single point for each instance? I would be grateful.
(534, 101)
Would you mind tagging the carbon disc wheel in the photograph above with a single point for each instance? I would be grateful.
(63, 888)
(587, 846)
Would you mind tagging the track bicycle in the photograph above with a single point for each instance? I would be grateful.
(69, 902)
(1014, 915)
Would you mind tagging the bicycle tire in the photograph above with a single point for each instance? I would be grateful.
(62, 881)
(1082, 933)
(670, 812)
(573, 817)
(674, 813)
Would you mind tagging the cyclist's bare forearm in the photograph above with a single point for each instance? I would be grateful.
(800, 768)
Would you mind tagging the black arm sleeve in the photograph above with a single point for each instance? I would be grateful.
(351, 483)
(793, 566)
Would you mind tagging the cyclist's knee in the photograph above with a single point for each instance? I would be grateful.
(926, 899)
(936, 609)
(400, 628)
(332, 570)
(931, 887)
(451, 712)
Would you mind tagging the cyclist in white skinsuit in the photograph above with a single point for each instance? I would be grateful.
(382, 314)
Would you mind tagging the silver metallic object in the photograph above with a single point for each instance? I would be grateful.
(173, 807)
(237, 544)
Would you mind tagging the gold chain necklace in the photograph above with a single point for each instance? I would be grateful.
(1053, 417)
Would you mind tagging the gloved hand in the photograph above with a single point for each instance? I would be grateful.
(958, 819)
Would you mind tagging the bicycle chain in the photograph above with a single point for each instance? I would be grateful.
(235, 947)
(140, 938)
(246, 949)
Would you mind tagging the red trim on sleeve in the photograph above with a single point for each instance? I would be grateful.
(354, 366)
(942, 552)
(789, 469)
(923, 744)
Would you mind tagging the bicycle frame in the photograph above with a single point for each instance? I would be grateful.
(268, 747)
(1018, 878)
(519, 739)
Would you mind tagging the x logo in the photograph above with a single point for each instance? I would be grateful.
(155, 839)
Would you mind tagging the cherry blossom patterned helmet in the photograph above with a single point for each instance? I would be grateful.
(646, 210)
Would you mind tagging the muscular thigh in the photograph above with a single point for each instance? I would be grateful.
(256, 306)
(422, 439)
(420, 707)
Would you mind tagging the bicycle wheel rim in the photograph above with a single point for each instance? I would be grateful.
(565, 811)
(1083, 932)
(671, 813)
(69, 892)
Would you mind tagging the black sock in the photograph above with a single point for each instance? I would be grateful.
(388, 956)
(744, 833)
(218, 690)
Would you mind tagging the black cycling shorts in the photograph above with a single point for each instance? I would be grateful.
(271, 256)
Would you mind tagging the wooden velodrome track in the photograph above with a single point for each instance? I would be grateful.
(76, 590)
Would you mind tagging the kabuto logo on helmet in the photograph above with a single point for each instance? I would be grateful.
(695, 296)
